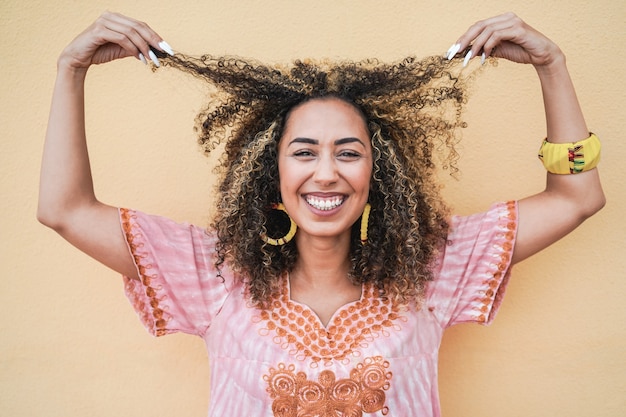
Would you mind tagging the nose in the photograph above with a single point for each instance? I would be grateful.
(326, 171)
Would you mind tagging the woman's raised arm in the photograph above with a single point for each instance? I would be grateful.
(67, 202)
(568, 199)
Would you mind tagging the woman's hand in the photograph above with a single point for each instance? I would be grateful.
(112, 36)
(509, 37)
(67, 201)
(567, 200)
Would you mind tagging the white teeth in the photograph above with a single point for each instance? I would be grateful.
(324, 203)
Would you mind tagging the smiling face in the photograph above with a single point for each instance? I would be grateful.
(325, 166)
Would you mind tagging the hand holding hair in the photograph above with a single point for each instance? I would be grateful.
(505, 36)
(113, 36)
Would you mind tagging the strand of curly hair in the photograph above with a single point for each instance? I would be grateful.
(413, 110)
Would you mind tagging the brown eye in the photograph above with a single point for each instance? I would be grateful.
(303, 154)
(349, 155)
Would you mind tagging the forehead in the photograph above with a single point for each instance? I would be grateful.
(326, 117)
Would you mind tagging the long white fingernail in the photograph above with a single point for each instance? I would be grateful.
(154, 59)
(166, 47)
(143, 59)
(482, 58)
(467, 58)
(449, 49)
(454, 50)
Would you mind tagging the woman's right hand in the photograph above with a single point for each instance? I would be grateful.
(67, 201)
(112, 36)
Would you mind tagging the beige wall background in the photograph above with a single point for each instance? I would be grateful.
(70, 344)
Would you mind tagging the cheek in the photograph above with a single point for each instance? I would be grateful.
(288, 176)
(361, 179)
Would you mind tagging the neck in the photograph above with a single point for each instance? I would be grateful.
(320, 278)
(322, 262)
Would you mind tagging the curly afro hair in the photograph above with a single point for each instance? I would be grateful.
(413, 111)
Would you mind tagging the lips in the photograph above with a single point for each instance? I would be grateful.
(324, 203)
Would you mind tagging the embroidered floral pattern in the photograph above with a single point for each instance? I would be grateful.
(148, 301)
(508, 226)
(296, 327)
(363, 392)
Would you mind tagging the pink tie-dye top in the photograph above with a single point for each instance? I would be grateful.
(373, 358)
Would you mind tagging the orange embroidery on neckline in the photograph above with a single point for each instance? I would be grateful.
(295, 327)
(363, 392)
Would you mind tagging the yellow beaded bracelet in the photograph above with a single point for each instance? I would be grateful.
(570, 158)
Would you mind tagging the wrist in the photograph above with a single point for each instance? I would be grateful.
(554, 67)
(67, 64)
(70, 72)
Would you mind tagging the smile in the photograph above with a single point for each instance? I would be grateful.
(324, 204)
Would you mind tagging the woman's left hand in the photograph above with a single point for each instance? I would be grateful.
(567, 200)
(509, 37)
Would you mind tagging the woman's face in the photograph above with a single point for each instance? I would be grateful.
(325, 166)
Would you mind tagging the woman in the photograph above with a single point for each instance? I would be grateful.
(339, 311)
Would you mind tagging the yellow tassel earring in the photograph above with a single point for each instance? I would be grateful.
(364, 222)
(290, 234)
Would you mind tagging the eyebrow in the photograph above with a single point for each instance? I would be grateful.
(341, 141)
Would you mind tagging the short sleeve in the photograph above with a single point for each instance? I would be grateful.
(474, 267)
(179, 289)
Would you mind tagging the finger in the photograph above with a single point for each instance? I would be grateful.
(477, 28)
(147, 33)
(136, 37)
(110, 33)
(465, 44)
(123, 30)
(491, 36)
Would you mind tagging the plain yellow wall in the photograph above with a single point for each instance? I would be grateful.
(70, 344)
